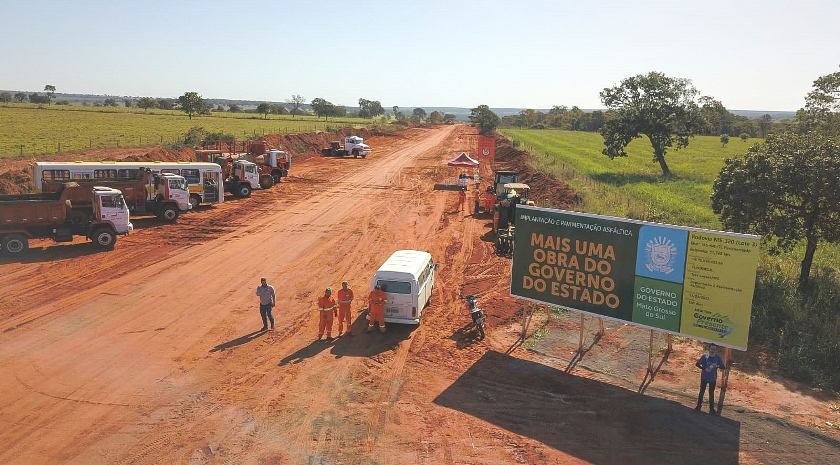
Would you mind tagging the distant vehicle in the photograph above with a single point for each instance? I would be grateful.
(46, 216)
(407, 277)
(204, 180)
(353, 145)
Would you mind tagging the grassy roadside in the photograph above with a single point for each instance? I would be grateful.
(32, 130)
(801, 333)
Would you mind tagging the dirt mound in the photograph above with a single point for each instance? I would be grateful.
(546, 190)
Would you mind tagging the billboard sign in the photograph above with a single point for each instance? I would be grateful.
(694, 282)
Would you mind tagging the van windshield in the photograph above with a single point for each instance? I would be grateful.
(395, 287)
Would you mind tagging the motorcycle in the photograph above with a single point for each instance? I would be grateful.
(476, 313)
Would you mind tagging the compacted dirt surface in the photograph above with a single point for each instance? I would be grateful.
(152, 354)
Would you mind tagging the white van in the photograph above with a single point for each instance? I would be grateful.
(407, 277)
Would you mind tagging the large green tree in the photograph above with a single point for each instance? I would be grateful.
(191, 103)
(485, 119)
(663, 108)
(822, 106)
(147, 102)
(264, 109)
(323, 108)
(785, 189)
(370, 108)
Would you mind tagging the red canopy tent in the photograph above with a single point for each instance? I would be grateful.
(463, 160)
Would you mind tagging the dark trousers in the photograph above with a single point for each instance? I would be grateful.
(711, 393)
(265, 313)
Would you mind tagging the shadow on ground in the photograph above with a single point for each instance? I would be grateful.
(597, 422)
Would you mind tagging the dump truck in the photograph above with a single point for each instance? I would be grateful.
(353, 145)
(46, 216)
(163, 195)
(242, 177)
(274, 162)
(233, 166)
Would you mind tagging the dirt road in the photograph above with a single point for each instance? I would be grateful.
(150, 353)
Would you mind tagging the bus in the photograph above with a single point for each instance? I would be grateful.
(203, 179)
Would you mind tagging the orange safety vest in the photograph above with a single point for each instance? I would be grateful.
(326, 304)
(345, 298)
(377, 298)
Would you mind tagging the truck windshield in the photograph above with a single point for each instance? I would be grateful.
(112, 201)
(179, 184)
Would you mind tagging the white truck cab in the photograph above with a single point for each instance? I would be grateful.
(109, 207)
(355, 145)
(173, 187)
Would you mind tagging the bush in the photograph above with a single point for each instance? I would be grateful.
(803, 332)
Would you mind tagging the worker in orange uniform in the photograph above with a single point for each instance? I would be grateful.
(345, 299)
(377, 300)
(462, 197)
(327, 310)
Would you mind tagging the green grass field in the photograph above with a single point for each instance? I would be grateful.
(32, 130)
(633, 186)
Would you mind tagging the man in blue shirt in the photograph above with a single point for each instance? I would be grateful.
(709, 364)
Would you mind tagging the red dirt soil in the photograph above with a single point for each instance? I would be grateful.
(151, 353)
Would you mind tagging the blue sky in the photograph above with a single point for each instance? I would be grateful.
(749, 54)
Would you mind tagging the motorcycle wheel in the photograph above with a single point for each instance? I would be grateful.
(480, 331)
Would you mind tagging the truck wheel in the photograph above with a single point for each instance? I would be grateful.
(243, 190)
(169, 214)
(355, 153)
(276, 177)
(15, 245)
(104, 238)
(266, 181)
(195, 201)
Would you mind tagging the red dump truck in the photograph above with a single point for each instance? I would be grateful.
(47, 216)
(163, 195)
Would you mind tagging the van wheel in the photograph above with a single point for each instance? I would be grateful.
(15, 245)
(104, 238)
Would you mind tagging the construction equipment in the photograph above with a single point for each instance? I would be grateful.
(47, 215)
(271, 166)
(242, 177)
(164, 195)
(353, 145)
(509, 196)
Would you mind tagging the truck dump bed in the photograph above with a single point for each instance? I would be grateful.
(33, 210)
